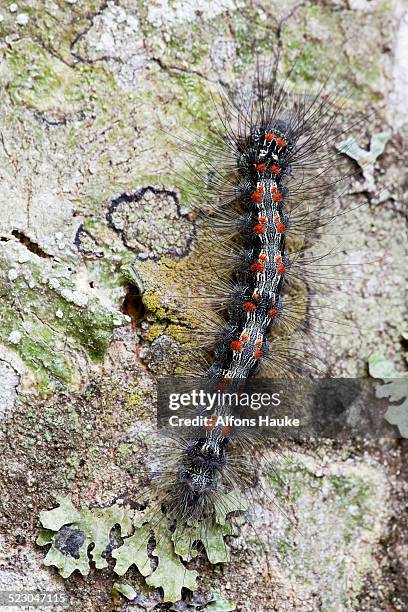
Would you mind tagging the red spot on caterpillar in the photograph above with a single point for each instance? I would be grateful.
(278, 258)
(269, 137)
(277, 196)
(259, 228)
(281, 268)
(248, 306)
(236, 345)
(281, 142)
(257, 267)
(244, 337)
(263, 257)
(260, 167)
(280, 228)
(272, 312)
(258, 353)
(262, 219)
(226, 430)
(258, 342)
(275, 169)
(257, 196)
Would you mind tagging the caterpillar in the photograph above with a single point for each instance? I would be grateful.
(267, 173)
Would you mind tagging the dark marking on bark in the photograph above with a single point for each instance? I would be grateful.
(32, 246)
(87, 244)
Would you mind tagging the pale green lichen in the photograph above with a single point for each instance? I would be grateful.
(40, 80)
(366, 159)
(125, 589)
(65, 316)
(70, 531)
(395, 389)
(54, 25)
(171, 575)
(336, 57)
(219, 604)
(339, 504)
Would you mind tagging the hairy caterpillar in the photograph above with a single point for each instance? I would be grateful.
(267, 173)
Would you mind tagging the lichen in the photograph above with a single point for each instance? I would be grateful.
(336, 503)
(40, 81)
(70, 531)
(395, 389)
(64, 316)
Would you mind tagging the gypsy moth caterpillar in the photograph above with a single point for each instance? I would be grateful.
(267, 173)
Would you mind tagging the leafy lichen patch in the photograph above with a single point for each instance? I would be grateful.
(395, 388)
(70, 531)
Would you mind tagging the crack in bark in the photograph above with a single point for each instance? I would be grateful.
(170, 68)
(77, 38)
(32, 246)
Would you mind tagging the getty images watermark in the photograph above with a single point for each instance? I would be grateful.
(224, 406)
(200, 398)
(301, 408)
(22, 599)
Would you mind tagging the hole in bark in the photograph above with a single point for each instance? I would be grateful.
(133, 305)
